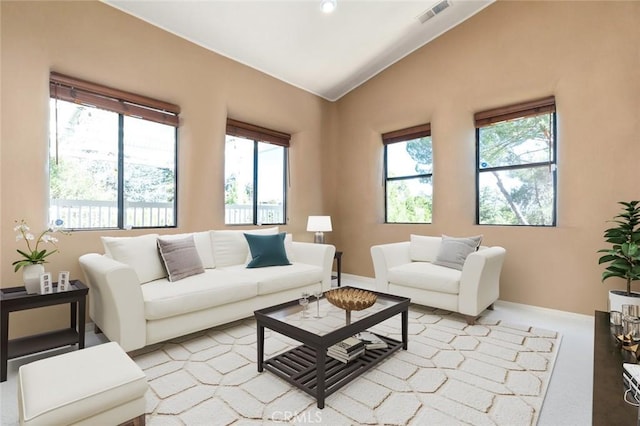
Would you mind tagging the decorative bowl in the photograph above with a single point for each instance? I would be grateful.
(351, 299)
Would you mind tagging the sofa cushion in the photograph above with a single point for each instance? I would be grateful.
(231, 248)
(288, 247)
(180, 257)
(426, 276)
(454, 251)
(424, 248)
(278, 278)
(215, 287)
(267, 250)
(141, 253)
(204, 246)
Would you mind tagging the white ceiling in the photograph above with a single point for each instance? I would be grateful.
(293, 41)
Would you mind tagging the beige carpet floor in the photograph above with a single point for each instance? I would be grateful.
(492, 373)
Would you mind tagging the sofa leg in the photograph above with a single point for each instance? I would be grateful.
(471, 320)
(96, 329)
(490, 307)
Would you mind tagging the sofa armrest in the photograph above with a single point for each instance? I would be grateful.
(316, 254)
(386, 256)
(480, 281)
(116, 304)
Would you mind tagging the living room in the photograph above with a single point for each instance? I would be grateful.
(585, 54)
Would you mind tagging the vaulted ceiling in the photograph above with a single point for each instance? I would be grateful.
(294, 41)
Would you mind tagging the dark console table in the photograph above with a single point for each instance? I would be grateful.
(608, 390)
(16, 299)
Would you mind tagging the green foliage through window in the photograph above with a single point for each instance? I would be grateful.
(517, 171)
(107, 170)
(408, 174)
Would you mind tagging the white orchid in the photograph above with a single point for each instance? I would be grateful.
(34, 255)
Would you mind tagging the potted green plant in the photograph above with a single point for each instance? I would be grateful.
(623, 257)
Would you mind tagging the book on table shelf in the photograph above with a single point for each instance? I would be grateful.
(343, 357)
(346, 350)
(371, 340)
(348, 345)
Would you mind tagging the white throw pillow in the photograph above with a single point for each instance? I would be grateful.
(454, 251)
(288, 247)
(424, 248)
(231, 248)
(141, 253)
(204, 246)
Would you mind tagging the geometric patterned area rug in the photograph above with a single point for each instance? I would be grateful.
(491, 373)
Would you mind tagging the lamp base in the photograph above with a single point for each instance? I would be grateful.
(319, 238)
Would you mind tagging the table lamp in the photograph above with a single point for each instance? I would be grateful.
(319, 225)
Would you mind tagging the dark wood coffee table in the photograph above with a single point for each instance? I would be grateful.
(308, 366)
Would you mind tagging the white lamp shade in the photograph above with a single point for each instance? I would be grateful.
(319, 224)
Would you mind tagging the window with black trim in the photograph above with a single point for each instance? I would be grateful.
(255, 175)
(408, 173)
(516, 164)
(112, 157)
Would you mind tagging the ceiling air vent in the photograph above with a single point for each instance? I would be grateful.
(434, 11)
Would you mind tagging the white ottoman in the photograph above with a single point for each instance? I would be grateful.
(99, 385)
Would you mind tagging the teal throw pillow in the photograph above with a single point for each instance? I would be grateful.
(267, 250)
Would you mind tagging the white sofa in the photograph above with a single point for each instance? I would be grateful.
(133, 302)
(406, 269)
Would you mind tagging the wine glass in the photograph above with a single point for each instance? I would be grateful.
(318, 294)
(304, 302)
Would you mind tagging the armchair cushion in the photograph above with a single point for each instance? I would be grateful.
(423, 248)
(454, 251)
(426, 276)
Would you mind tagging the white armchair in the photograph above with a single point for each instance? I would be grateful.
(400, 271)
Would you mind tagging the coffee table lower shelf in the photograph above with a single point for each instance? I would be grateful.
(298, 366)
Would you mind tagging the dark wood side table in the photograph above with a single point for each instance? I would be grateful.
(608, 388)
(16, 299)
(338, 258)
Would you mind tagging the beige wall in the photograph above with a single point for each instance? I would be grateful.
(98, 43)
(587, 54)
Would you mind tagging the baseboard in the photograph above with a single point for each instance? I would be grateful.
(547, 311)
(353, 277)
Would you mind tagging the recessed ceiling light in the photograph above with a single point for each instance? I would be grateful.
(327, 6)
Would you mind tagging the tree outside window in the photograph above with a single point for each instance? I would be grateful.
(108, 169)
(408, 175)
(516, 165)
